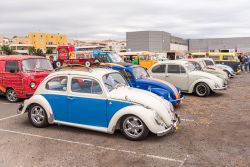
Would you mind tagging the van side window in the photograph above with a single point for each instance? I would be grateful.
(159, 68)
(11, 67)
(57, 84)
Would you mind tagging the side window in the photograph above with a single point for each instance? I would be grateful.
(126, 75)
(182, 69)
(11, 66)
(174, 69)
(84, 85)
(57, 83)
(159, 68)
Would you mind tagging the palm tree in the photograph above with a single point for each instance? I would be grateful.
(32, 50)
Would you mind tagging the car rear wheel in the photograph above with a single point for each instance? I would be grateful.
(202, 90)
(87, 64)
(38, 116)
(133, 128)
(11, 96)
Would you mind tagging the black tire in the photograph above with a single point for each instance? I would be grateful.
(202, 89)
(58, 64)
(38, 124)
(143, 130)
(11, 96)
(87, 63)
(97, 61)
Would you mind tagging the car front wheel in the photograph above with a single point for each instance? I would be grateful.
(202, 90)
(38, 116)
(133, 128)
(11, 96)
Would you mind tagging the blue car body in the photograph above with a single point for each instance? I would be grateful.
(162, 88)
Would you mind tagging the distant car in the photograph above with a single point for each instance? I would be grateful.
(100, 100)
(21, 75)
(138, 77)
(210, 63)
(184, 75)
(201, 65)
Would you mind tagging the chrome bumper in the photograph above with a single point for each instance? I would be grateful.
(20, 108)
(172, 128)
(219, 89)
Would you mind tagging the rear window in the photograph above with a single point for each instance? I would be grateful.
(159, 68)
(11, 66)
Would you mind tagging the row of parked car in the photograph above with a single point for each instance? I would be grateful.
(109, 97)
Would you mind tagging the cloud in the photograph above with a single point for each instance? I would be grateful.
(111, 19)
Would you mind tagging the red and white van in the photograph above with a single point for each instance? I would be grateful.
(20, 75)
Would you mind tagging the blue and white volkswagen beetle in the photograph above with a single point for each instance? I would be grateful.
(99, 99)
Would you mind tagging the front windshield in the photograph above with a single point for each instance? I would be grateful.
(113, 81)
(140, 72)
(190, 66)
(115, 58)
(35, 65)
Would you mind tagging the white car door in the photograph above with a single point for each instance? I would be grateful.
(177, 75)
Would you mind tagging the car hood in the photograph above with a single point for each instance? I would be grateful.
(172, 89)
(203, 74)
(146, 99)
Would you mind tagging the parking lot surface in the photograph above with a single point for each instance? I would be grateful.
(215, 131)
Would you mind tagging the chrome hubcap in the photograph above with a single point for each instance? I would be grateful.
(201, 90)
(37, 115)
(11, 95)
(133, 127)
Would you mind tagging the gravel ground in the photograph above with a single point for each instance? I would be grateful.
(215, 131)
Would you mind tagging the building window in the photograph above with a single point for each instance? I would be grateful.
(51, 36)
(34, 36)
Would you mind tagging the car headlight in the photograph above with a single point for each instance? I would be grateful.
(159, 119)
(32, 84)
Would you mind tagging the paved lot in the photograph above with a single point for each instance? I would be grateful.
(215, 132)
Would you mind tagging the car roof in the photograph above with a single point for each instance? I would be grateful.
(92, 72)
(181, 62)
(20, 57)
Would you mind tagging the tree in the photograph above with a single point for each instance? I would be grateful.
(49, 51)
(39, 52)
(32, 50)
(7, 50)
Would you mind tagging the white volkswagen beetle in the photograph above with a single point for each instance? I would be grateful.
(101, 100)
(184, 75)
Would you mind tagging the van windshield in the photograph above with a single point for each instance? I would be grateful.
(36, 65)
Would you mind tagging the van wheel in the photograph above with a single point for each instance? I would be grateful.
(202, 90)
(11, 95)
(87, 64)
(38, 116)
(133, 128)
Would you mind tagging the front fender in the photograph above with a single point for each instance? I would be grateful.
(161, 92)
(38, 99)
(146, 115)
(209, 82)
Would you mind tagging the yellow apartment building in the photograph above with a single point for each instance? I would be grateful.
(39, 41)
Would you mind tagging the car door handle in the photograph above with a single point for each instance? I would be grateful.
(166, 76)
(70, 98)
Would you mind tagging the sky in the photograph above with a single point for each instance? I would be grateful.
(111, 19)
